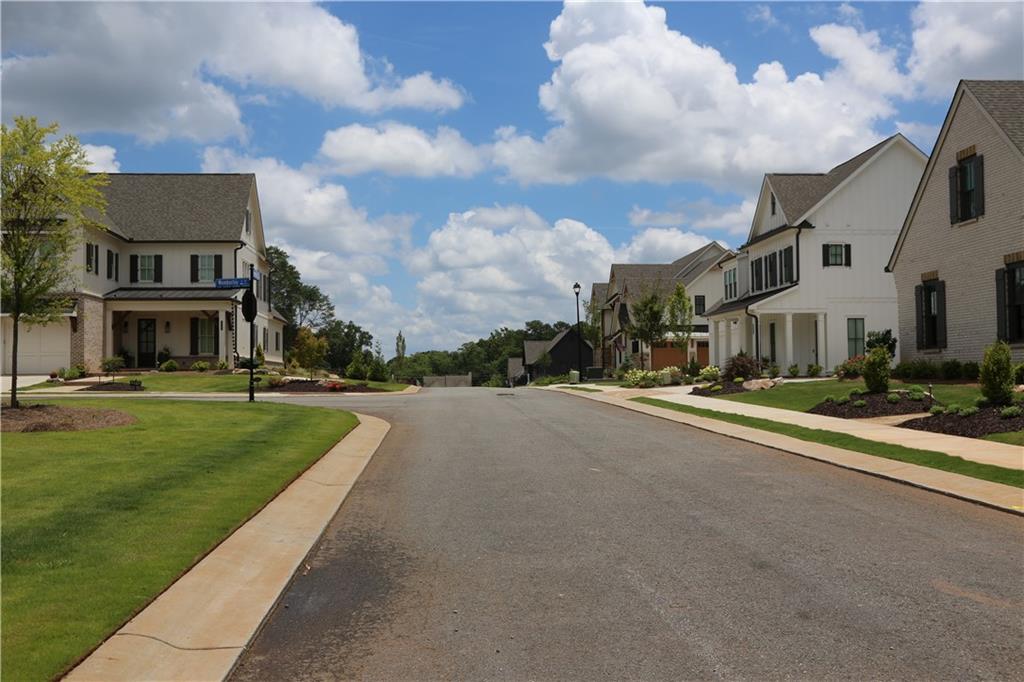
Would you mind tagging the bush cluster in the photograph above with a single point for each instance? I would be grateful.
(814, 369)
(710, 373)
(1010, 412)
(741, 365)
(169, 366)
(997, 374)
(200, 366)
(893, 398)
(1018, 373)
(876, 369)
(543, 381)
(794, 370)
(642, 378)
(968, 411)
(850, 368)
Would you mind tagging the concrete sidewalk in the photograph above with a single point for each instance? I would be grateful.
(75, 390)
(200, 625)
(995, 495)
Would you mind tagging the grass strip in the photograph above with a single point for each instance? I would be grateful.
(928, 458)
(584, 389)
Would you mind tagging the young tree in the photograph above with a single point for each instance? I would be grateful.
(399, 352)
(48, 195)
(309, 350)
(592, 330)
(680, 318)
(649, 324)
(345, 340)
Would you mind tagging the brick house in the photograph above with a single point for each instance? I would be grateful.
(959, 258)
(145, 286)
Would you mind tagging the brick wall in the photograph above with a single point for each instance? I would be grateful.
(87, 337)
(966, 255)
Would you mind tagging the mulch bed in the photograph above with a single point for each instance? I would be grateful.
(877, 406)
(727, 388)
(317, 387)
(37, 418)
(118, 386)
(986, 421)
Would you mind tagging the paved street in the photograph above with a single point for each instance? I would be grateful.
(540, 536)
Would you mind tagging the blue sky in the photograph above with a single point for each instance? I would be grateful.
(445, 168)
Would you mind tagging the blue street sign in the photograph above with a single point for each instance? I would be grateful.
(232, 283)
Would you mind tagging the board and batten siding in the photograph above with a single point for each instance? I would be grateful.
(965, 255)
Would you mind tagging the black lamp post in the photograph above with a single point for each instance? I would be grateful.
(579, 335)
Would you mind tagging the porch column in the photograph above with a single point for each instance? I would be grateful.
(108, 333)
(222, 331)
(713, 343)
(745, 335)
(789, 340)
(728, 341)
(822, 344)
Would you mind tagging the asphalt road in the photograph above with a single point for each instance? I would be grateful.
(542, 536)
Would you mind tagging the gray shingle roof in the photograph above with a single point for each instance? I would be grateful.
(797, 193)
(599, 293)
(177, 206)
(1004, 102)
(171, 294)
(532, 350)
(515, 368)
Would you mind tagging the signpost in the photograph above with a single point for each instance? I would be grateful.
(249, 313)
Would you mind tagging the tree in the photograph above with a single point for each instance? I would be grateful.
(303, 305)
(345, 340)
(48, 195)
(309, 350)
(592, 327)
(680, 318)
(399, 351)
(648, 325)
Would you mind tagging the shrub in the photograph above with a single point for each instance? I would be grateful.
(997, 374)
(222, 364)
(163, 355)
(854, 392)
(687, 379)
(952, 409)
(335, 386)
(642, 378)
(881, 339)
(1011, 412)
(773, 371)
(710, 373)
(693, 368)
(813, 370)
(916, 396)
(741, 365)
(551, 380)
(937, 409)
(1018, 373)
(951, 369)
(860, 403)
(357, 368)
(893, 398)
(851, 368)
(69, 374)
(738, 380)
(876, 370)
(970, 371)
(842, 400)
(916, 388)
(200, 366)
(981, 401)
(830, 399)
(716, 388)
(917, 369)
(112, 364)
(169, 366)
(968, 411)
(275, 382)
(794, 370)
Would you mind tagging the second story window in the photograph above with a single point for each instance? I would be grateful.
(757, 274)
(205, 268)
(788, 275)
(773, 270)
(836, 255)
(730, 284)
(967, 187)
(147, 268)
(698, 304)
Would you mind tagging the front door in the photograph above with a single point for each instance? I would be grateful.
(147, 343)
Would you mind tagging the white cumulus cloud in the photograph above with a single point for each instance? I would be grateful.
(102, 158)
(399, 149)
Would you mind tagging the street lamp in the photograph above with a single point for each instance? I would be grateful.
(579, 336)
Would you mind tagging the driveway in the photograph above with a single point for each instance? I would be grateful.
(536, 535)
(23, 381)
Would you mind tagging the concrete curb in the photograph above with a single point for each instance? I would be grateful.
(198, 627)
(170, 395)
(994, 495)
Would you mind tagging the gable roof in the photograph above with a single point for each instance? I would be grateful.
(662, 277)
(177, 206)
(798, 193)
(532, 350)
(599, 293)
(1004, 102)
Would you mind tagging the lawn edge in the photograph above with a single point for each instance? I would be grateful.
(793, 450)
(78, 661)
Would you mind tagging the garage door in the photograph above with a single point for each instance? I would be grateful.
(42, 349)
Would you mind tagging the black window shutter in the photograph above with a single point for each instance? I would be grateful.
(847, 255)
(110, 264)
(216, 335)
(979, 185)
(218, 267)
(117, 267)
(193, 268)
(133, 268)
(193, 342)
(824, 255)
(88, 257)
(919, 314)
(953, 213)
(158, 268)
(940, 295)
(1002, 332)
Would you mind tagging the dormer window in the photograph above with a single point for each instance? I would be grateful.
(773, 204)
(966, 187)
(248, 221)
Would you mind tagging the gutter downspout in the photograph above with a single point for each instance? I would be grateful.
(799, 229)
(757, 334)
(234, 307)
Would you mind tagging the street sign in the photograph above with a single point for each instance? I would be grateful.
(231, 283)
(249, 305)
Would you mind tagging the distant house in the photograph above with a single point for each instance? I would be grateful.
(628, 282)
(553, 356)
(599, 298)
(146, 286)
(959, 259)
(808, 284)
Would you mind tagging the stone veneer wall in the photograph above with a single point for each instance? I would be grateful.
(87, 338)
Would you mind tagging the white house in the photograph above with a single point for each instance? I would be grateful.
(145, 286)
(809, 283)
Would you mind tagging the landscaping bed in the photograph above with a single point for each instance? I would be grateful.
(727, 388)
(320, 387)
(984, 422)
(874, 405)
(120, 386)
(40, 418)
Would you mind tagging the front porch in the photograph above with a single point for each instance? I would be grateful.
(146, 332)
(784, 338)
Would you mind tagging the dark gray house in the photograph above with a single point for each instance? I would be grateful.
(556, 356)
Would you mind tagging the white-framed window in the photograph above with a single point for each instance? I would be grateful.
(206, 268)
(836, 255)
(147, 268)
(730, 284)
(855, 336)
(207, 334)
(266, 339)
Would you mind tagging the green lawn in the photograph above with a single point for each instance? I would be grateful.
(96, 523)
(584, 389)
(207, 382)
(1011, 437)
(802, 396)
(935, 460)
